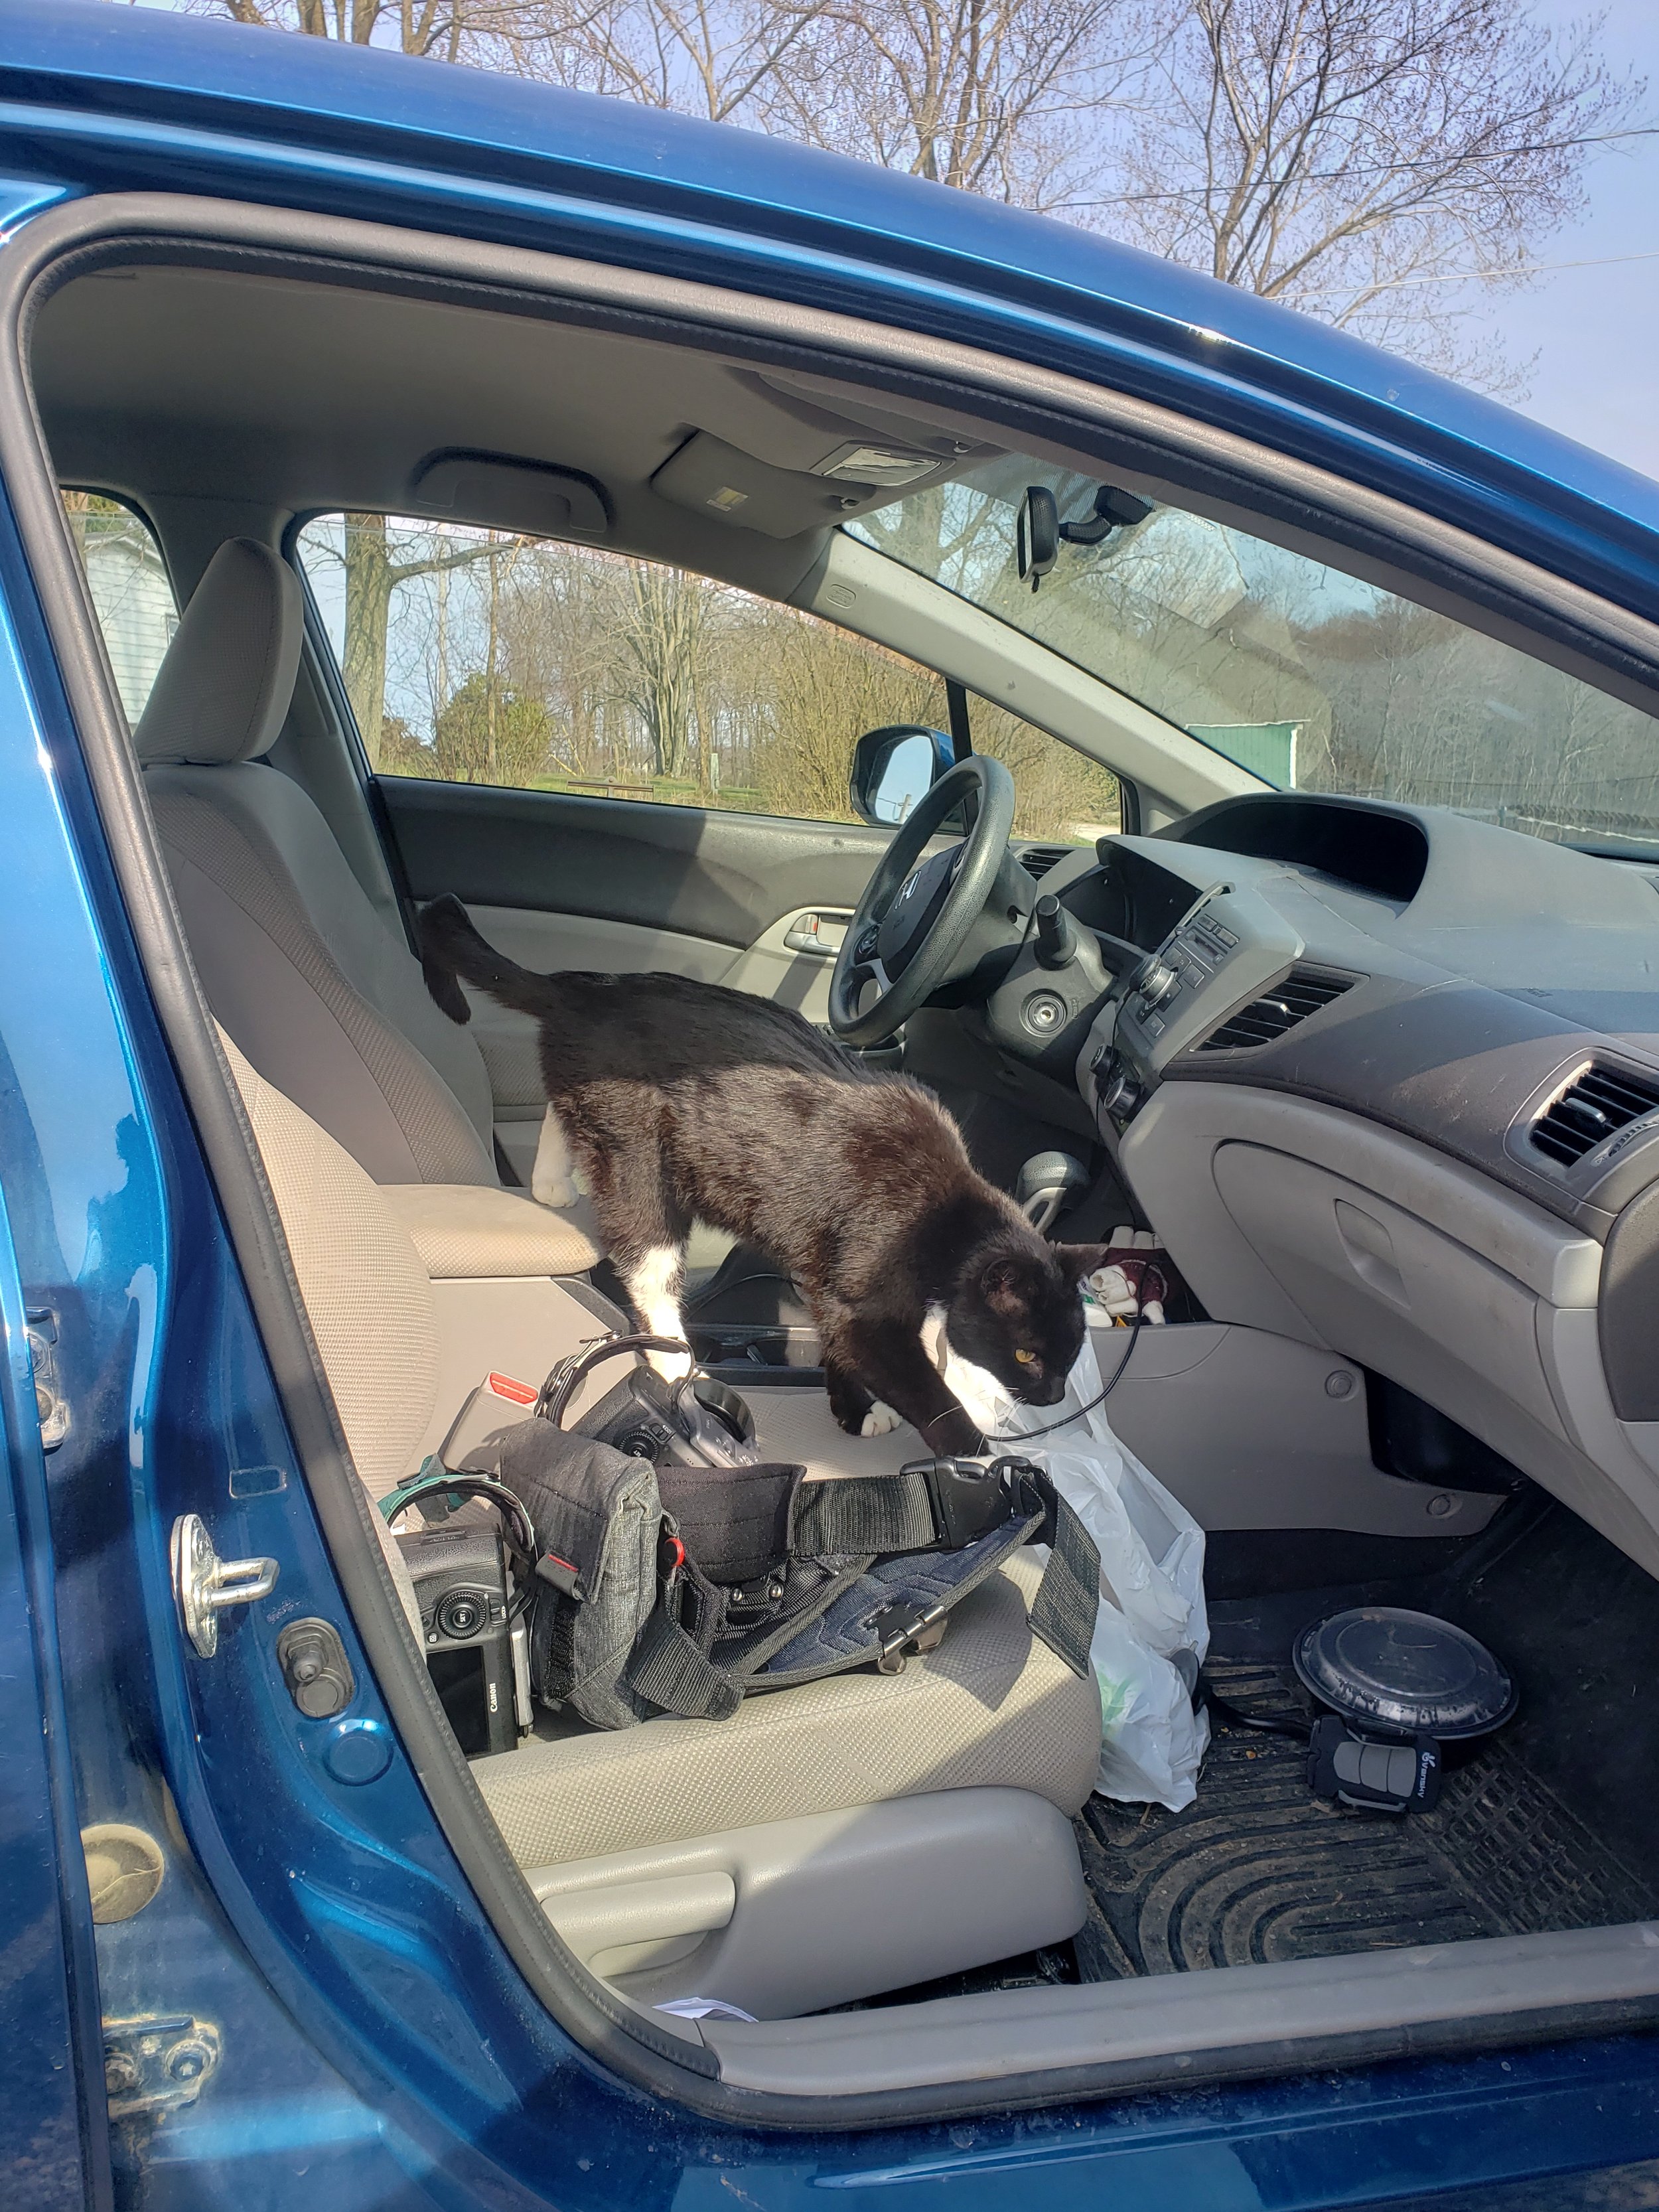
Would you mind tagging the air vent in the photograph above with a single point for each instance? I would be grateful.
(1300, 994)
(1598, 1101)
(1037, 859)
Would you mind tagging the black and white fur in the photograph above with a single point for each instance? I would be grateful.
(683, 1102)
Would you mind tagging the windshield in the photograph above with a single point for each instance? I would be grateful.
(1305, 676)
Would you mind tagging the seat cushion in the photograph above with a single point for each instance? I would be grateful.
(992, 1706)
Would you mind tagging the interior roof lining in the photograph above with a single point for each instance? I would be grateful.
(25, 263)
(1211, 471)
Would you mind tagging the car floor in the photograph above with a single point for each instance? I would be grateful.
(1541, 1826)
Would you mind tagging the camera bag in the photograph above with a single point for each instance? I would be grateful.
(682, 1588)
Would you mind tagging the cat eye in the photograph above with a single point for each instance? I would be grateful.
(1026, 1358)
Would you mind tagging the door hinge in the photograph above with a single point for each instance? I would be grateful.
(50, 1403)
(204, 1584)
(154, 2065)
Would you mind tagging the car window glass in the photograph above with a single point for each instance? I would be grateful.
(1061, 796)
(1312, 679)
(472, 656)
(131, 592)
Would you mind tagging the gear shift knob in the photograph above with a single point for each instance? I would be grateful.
(1056, 939)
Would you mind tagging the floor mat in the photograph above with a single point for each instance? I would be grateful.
(1259, 1869)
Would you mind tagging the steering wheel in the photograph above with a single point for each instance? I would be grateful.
(912, 921)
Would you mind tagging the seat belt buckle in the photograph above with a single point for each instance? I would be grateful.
(499, 1403)
(967, 1496)
(910, 1631)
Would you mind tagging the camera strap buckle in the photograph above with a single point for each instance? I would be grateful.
(907, 1631)
(967, 1498)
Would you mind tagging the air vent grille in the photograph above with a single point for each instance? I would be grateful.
(1590, 1109)
(1300, 994)
(1037, 859)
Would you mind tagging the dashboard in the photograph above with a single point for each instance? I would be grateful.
(1390, 1081)
(1432, 972)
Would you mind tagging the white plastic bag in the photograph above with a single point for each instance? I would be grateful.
(1152, 1631)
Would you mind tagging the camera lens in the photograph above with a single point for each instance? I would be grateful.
(461, 1613)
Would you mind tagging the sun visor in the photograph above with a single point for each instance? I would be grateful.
(712, 477)
(496, 492)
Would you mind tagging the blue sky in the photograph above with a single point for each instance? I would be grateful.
(1594, 328)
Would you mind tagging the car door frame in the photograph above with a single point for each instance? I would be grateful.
(227, 1145)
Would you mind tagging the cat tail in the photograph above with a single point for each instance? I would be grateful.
(453, 952)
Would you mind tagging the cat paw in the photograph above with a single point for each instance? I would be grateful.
(880, 1420)
(552, 1178)
(672, 1366)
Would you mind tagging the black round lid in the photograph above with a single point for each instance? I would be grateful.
(1404, 1673)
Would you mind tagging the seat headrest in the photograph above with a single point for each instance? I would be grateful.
(223, 691)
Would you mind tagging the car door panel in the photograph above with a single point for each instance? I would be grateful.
(751, 901)
(795, 976)
(721, 878)
(545, 939)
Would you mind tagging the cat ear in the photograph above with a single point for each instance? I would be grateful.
(1004, 1285)
(1079, 1260)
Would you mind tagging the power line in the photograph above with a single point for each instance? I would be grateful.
(1380, 168)
(1532, 268)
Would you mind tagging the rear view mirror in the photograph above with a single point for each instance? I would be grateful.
(1037, 534)
(893, 767)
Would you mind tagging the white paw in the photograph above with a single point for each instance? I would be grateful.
(557, 1191)
(671, 1365)
(879, 1421)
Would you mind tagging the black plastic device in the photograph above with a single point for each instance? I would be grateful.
(460, 1581)
(1390, 1672)
(1377, 1778)
(1056, 939)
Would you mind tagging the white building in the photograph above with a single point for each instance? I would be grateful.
(131, 594)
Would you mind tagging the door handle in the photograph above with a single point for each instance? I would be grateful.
(821, 933)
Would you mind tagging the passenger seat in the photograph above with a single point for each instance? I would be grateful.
(296, 962)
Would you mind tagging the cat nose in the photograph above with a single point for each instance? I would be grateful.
(1052, 1392)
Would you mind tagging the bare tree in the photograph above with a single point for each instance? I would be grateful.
(449, 30)
(1347, 157)
(374, 568)
(816, 691)
(1001, 97)
(711, 60)
(663, 640)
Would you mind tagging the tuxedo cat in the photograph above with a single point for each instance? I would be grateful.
(683, 1101)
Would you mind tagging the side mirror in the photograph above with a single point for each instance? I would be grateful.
(1037, 534)
(893, 767)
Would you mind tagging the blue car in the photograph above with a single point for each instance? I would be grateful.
(685, 550)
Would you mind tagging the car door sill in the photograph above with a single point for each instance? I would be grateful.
(1205, 2027)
